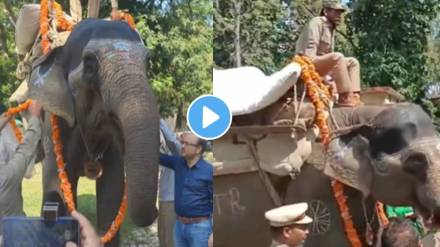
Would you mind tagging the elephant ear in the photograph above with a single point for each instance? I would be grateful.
(349, 162)
(48, 85)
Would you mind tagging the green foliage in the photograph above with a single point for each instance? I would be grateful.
(180, 48)
(261, 32)
(392, 40)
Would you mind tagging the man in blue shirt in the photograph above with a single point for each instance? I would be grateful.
(193, 192)
(167, 216)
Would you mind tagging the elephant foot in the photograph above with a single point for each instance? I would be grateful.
(92, 170)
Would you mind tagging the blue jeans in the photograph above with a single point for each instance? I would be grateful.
(192, 235)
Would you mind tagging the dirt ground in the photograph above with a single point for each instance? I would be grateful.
(142, 237)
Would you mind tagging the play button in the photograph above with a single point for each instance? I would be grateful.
(209, 117)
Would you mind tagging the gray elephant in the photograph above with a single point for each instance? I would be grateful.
(397, 163)
(108, 116)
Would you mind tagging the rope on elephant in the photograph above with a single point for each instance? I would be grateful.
(65, 185)
(318, 92)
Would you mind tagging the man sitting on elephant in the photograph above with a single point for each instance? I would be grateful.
(193, 192)
(12, 169)
(317, 42)
(289, 225)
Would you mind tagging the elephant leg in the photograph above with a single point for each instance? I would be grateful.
(109, 191)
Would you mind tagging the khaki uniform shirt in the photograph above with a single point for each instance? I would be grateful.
(13, 170)
(317, 38)
(276, 244)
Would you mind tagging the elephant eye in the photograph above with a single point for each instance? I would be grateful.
(416, 164)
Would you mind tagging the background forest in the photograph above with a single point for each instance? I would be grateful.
(397, 42)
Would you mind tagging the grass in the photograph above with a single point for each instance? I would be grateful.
(32, 196)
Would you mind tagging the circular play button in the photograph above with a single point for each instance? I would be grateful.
(209, 117)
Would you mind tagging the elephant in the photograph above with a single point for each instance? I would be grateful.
(97, 86)
(397, 160)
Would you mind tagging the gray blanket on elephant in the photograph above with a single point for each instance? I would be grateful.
(346, 117)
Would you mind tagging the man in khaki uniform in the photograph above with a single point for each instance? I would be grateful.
(289, 225)
(317, 42)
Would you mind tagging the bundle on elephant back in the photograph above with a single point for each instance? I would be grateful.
(386, 151)
(106, 124)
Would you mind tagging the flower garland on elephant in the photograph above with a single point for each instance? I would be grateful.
(65, 185)
(320, 96)
(50, 8)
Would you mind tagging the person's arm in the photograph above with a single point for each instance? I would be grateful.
(89, 237)
(15, 168)
(168, 161)
(170, 138)
(313, 37)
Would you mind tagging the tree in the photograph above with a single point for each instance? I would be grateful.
(393, 37)
(179, 41)
(258, 32)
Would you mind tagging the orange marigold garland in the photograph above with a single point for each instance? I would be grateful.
(65, 186)
(125, 16)
(383, 219)
(129, 19)
(14, 111)
(67, 189)
(116, 224)
(44, 25)
(318, 93)
(63, 23)
(350, 230)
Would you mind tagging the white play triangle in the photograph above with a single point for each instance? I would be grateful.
(209, 117)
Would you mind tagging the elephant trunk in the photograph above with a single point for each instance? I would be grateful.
(136, 108)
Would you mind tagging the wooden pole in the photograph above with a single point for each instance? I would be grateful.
(93, 8)
(114, 4)
(75, 10)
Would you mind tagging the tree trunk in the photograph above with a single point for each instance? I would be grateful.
(179, 116)
(75, 10)
(237, 7)
(93, 8)
(11, 13)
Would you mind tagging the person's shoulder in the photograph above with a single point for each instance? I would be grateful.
(206, 165)
(318, 20)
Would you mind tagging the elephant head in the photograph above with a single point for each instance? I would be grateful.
(98, 84)
(398, 159)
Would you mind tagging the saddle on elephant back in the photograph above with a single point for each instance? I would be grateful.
(273, 125)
